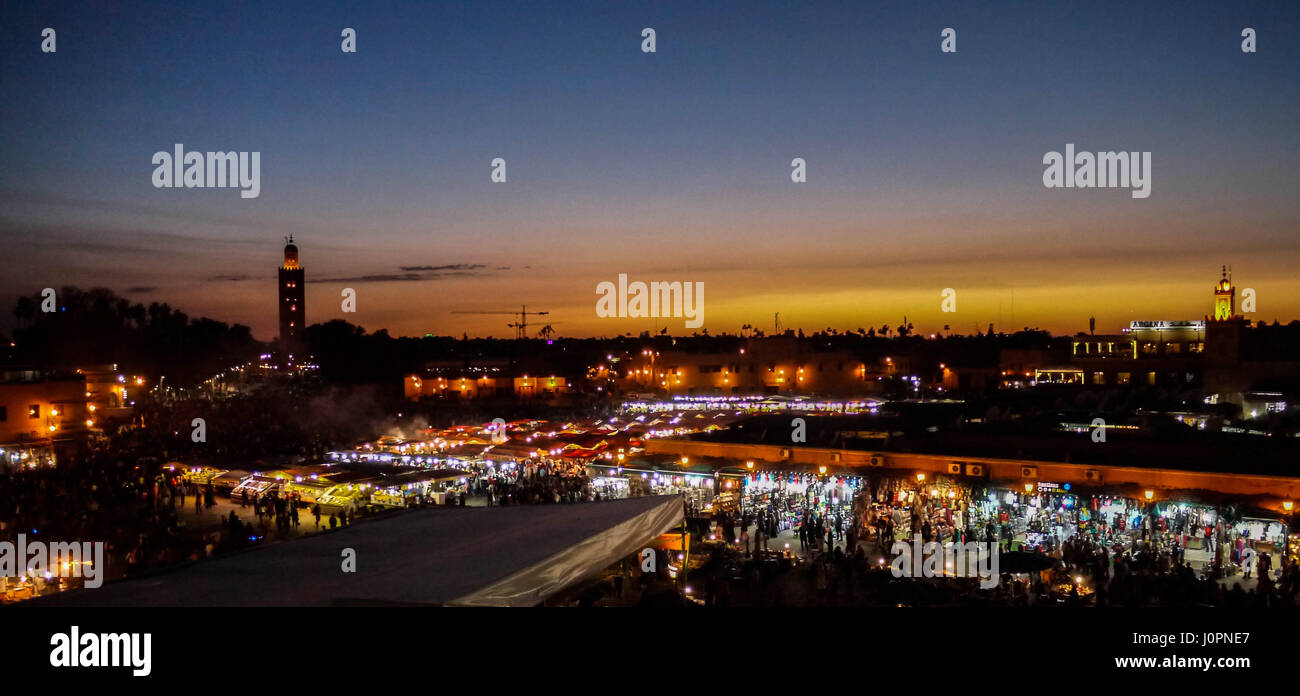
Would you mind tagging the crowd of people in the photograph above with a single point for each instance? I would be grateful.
(101, 494)
(1090, 567)
(534, 483)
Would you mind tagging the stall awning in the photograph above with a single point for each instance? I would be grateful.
(533, 585)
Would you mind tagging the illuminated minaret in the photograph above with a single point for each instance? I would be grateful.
(293, 303)
(1225, 298)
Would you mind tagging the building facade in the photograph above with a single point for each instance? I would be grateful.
(38, 415)
(1171, 354)
(773, 365)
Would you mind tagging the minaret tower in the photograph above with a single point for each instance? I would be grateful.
(1225, 297)
(293, 303)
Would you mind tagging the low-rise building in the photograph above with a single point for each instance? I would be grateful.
(38, 413)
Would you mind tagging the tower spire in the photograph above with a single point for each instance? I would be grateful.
(292, 301)
(1225, 297)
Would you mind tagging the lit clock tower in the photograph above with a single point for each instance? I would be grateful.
(292, 301)
(1225, 298)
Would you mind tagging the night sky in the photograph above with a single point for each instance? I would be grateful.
(924, 168)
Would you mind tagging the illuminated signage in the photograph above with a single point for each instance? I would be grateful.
(1197, 325)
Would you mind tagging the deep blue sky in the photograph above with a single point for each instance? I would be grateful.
(924, 168)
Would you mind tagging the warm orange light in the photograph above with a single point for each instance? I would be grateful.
(920, 477)
(1287, 505)
(1029, 488)
(1149, 494)
(750, 465)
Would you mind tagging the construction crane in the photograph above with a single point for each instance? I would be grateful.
(521, 325)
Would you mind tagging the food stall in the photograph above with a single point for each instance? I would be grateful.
(201, 475)
(404, 488)
(789, 495)
(351, 489)
(344, 496)
(612, 487)
(227, 482)
(309, 487)
(256, 486)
